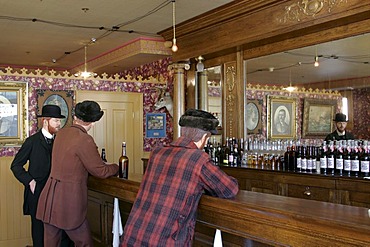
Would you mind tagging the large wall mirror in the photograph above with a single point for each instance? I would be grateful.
(342, 65)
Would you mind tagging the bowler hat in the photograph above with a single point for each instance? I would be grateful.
(51, 111)
(340, 117)
(199, 119)
(88, 111)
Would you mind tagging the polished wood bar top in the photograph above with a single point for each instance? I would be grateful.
(270, 219)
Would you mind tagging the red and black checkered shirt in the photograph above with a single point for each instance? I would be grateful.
(164, 211)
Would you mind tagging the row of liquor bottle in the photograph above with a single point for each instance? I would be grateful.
(350, 158)
(340, 157)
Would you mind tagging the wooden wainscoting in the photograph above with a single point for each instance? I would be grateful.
(15, 228)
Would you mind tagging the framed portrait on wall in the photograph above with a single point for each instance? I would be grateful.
(253, 120)
(317, 117)
(13, 113)
(62, 98)
(281, 117)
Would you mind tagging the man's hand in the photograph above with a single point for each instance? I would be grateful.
(32, 186)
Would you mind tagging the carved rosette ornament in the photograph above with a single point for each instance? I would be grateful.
(295, 11)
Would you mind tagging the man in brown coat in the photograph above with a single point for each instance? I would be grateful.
(63, 202)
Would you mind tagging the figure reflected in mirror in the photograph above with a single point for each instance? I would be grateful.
(281, 121)
(340, 133)
(252, 116)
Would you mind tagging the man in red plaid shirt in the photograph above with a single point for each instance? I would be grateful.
(164, 211)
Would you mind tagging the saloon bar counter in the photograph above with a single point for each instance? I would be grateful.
(251, 219)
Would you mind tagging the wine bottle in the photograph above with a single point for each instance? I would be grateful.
(123, 163)
(299, 159)
(331, 159)
(365, 160)
(347, 159)
(323, 159)
(339, 159)
(355, 160)
(103, 155)
(304, 159)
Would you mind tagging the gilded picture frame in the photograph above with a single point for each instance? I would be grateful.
(13, 113)
(281, 117)
(253, 120)
(62, 98)
(318, 117)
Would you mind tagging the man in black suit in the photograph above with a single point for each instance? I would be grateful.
(340, 133)
(36, 150)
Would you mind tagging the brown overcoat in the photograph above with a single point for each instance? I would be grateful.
(63, 202)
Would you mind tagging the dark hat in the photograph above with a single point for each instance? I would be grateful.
(199, 119)
(51, 111)
(88, 111)
(340, 117)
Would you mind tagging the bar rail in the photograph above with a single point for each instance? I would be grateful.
(268, 219)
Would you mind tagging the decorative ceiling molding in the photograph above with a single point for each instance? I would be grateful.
(67, 75)
(138, 47)
(303, 90)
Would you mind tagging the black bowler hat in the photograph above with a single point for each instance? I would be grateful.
(88, 111)
(51, 111)
(340, 117)
(199, 119)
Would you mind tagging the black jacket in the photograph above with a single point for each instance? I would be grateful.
(37, 153)
(334, 136)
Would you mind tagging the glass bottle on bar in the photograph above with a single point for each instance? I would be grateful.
(313, 158)
(309, 159)
(323, 159)
(365, 160)
(339, 159)
(355, 160)
(123, 163)
(331, 159)
(347, 158)
(299, 159)
(304, 159)
(103, 155)
(317, 155)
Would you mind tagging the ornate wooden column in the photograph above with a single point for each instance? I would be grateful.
(202, 90)
(178, 94)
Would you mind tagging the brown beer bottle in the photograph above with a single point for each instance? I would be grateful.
(103, 155)
(123, 163)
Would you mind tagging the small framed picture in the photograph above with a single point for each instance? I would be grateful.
(156, 125)
(282, 116)
(13, 113)
(318, 117)
(62, 98)
(253, 118)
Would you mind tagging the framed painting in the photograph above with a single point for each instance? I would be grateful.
(156, 125)
(253, 119)
(13, 113)
(281, 117)
(62, 98)
(317, 117)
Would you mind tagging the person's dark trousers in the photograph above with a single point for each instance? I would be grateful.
(66, 241)
(37, 231)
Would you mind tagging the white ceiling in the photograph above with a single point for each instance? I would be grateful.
(36, 43)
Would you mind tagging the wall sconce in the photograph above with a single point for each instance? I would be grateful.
(200, 64)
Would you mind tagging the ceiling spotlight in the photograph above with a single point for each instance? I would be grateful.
(93, 40)
(271, 69)
(54, 60)
(316, 64)
(85, 9)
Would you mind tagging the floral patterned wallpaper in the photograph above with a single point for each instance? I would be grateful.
(157, 69)
(361, 113)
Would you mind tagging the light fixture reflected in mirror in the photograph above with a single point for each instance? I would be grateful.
(200, 64)
(174, 47)
(290, 88)
(85, 74)
(316, 64)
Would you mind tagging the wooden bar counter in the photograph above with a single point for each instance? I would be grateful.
(251, 219)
